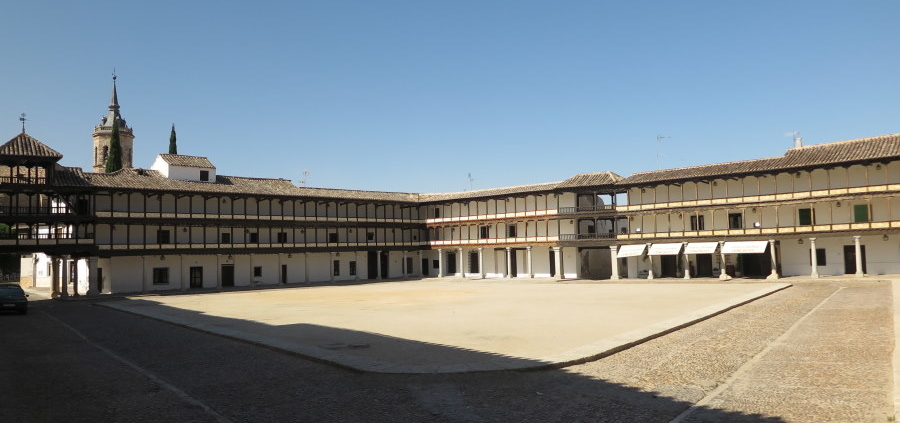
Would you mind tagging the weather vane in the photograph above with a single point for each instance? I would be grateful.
(22, 119)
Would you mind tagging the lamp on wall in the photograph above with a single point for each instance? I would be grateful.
(230, 257)
(162, 257)
(290, 255)
(800, 241)
(838, 204)
(885, 237)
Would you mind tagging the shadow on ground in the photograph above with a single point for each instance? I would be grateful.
(585, 398)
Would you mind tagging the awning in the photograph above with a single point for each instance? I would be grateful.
(631, 250)
(665, 249)
(701, 247)
(745, 247)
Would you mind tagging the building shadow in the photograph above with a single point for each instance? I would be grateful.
(594, 399)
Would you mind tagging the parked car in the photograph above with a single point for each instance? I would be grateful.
(12, 297)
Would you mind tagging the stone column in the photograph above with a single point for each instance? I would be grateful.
(305, 267)
(378, 261)
(614, 261)
(403, 265)
(75, 278)
(813, 259)
(462, 262)
(64, 281)
(54, 277)
(185, 278)
(508, 263)
(93, 282)
(331, 267)
(859, 258)
(774, 274)
(440, 262)
(356, 259)
(687, 262)
(218, 271)
(722, 275)
(481, 262)
(530, 262)
(560, 273)
(650, 270)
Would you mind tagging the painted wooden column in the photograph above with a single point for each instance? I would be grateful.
(722, 275)
(440, 262)
(93, 282)
(557, 252)
(508, 263)
(613, 252)
(774, 274)
(481, 262)
(54, 277)
(687, 262)
(814, 260)
(530, 260)
(859, 258)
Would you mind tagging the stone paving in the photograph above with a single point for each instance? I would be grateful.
(453, 325)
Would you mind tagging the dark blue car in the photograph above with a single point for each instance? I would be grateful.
(12, 297)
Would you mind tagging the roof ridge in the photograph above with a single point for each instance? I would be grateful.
(855, 140)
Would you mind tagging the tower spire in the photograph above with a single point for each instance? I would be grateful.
(114, 101)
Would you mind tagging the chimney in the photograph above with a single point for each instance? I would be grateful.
(798, 142)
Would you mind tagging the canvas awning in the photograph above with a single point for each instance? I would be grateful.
(745, 247)
(701, 247)
(631, 250)
(671, 249)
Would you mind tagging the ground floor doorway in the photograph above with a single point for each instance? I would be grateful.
(850, 259)
(451, 263)
(195, 276)
(227, 275)
(756, 265)
(668, 266)
(704, 266)
(473, 263)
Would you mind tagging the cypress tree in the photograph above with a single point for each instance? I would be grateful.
(173, 147)
(114, 159)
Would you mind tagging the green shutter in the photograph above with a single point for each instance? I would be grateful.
(805, 216)
(861, 213)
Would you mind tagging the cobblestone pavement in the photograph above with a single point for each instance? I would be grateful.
(815, 352)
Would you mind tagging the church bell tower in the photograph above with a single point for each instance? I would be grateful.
(103, 134)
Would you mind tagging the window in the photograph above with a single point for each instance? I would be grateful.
(257, 271)
(160, 275)
(409, 262)
(485, 232)
(806, 217)
(591, 229)
(162, 236)
(337, 267)
(226, 238)
(436, 264)
(352, 268)
(282, 237)
(820, 257)
(254, 237)
(697, 223)
(512, 231)
(860, 213)
(735, 221)
(204, 175)
(332, 237)
(437, 212)
(370, 236)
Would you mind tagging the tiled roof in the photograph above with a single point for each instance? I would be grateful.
(590, 180)
(24, 145)
(187, 161)
(836, 153)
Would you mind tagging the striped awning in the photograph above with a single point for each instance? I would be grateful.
(671, 249)
(745, 247)
(631, 250)
(701, 247)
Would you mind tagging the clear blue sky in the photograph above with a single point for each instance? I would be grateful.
(413, 95)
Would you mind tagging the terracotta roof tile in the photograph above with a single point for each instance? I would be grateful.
(835, 153)
(187, 161)
(24, 145)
